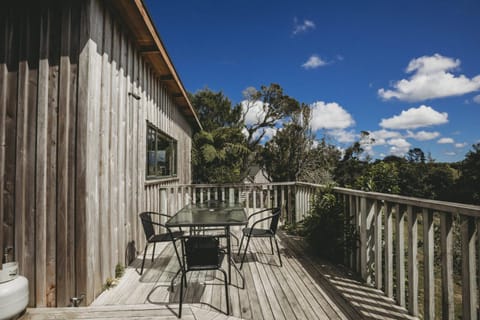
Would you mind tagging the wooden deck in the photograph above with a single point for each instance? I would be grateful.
(304, 288)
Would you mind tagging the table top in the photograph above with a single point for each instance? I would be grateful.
(209, 214)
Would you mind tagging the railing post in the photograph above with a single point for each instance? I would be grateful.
(446, 246)
(469, 281)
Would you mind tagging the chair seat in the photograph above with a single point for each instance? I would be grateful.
(257, 232)
(193, 267)
(163, 237)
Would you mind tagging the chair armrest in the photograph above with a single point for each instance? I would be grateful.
(258, 212)
(163, 225)
(160, 214)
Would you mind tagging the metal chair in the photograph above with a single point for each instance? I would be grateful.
(201, 253)
(154, 237)
(250, 232)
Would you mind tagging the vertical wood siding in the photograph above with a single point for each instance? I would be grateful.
(73, 145)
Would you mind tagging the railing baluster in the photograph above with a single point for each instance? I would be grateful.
(388, 250)
(282, 203)
(269, 199)
(378, 245)
(201, 195)
(363, 240)
(231, 195)
(400, 255)
(261, 198)
(351, 204)
(428, 266)
(469, 282)
(412, 261)
(446, 247)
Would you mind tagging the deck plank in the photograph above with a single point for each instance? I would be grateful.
(304, 287)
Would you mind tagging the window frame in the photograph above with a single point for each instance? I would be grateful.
(172, 157)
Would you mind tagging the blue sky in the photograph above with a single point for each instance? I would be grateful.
(406, 71)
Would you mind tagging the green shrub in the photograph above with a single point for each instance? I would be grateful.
(119, 270)
(326, 229)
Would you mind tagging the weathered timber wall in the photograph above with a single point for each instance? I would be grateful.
(72, 144)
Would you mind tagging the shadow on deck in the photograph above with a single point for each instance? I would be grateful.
(304, 288)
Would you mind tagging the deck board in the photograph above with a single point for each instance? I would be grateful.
(303, 288)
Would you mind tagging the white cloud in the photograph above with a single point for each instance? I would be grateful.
(431, 79)
(460, 145)
(445, 140)
(413, 118)
(330, 116)
(423, 135)
(314, 62)
(399, 146)
(343, 136)
(302, 27)
(382, 135)
(450, 153)
(476, 99)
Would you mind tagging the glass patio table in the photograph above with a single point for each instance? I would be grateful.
(212, 214)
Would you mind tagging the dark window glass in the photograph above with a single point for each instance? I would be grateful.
(161, 154)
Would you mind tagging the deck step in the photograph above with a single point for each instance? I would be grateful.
(137, 311)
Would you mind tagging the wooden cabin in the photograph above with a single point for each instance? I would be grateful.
(93, 121)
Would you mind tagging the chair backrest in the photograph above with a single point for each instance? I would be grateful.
(202, 251)
(147, 224)
(275, 218)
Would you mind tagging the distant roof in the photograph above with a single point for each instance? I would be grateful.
(253, 170)
(135, 15)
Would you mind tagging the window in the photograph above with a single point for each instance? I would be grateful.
(161, 154)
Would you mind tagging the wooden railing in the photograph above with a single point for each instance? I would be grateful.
(398, 238)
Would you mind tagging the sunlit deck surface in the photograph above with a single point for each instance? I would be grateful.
(304, 288)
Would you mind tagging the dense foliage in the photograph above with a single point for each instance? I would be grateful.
(326, 229)
(227, 146)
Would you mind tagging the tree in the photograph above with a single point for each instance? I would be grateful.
(263, 109)
(416, 155)
(286, 154)
(217, 156)
(469, 181)
(380, 177)
(351, 166)
(293, 154)
(218, 152)
(215, 110)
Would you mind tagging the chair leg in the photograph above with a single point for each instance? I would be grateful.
(236, 238)
(143, 261)
(153, 253)
(271, 244)
(245, 252)
(181, 296)
(241, 242)
(226, 290)
(278, 251)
